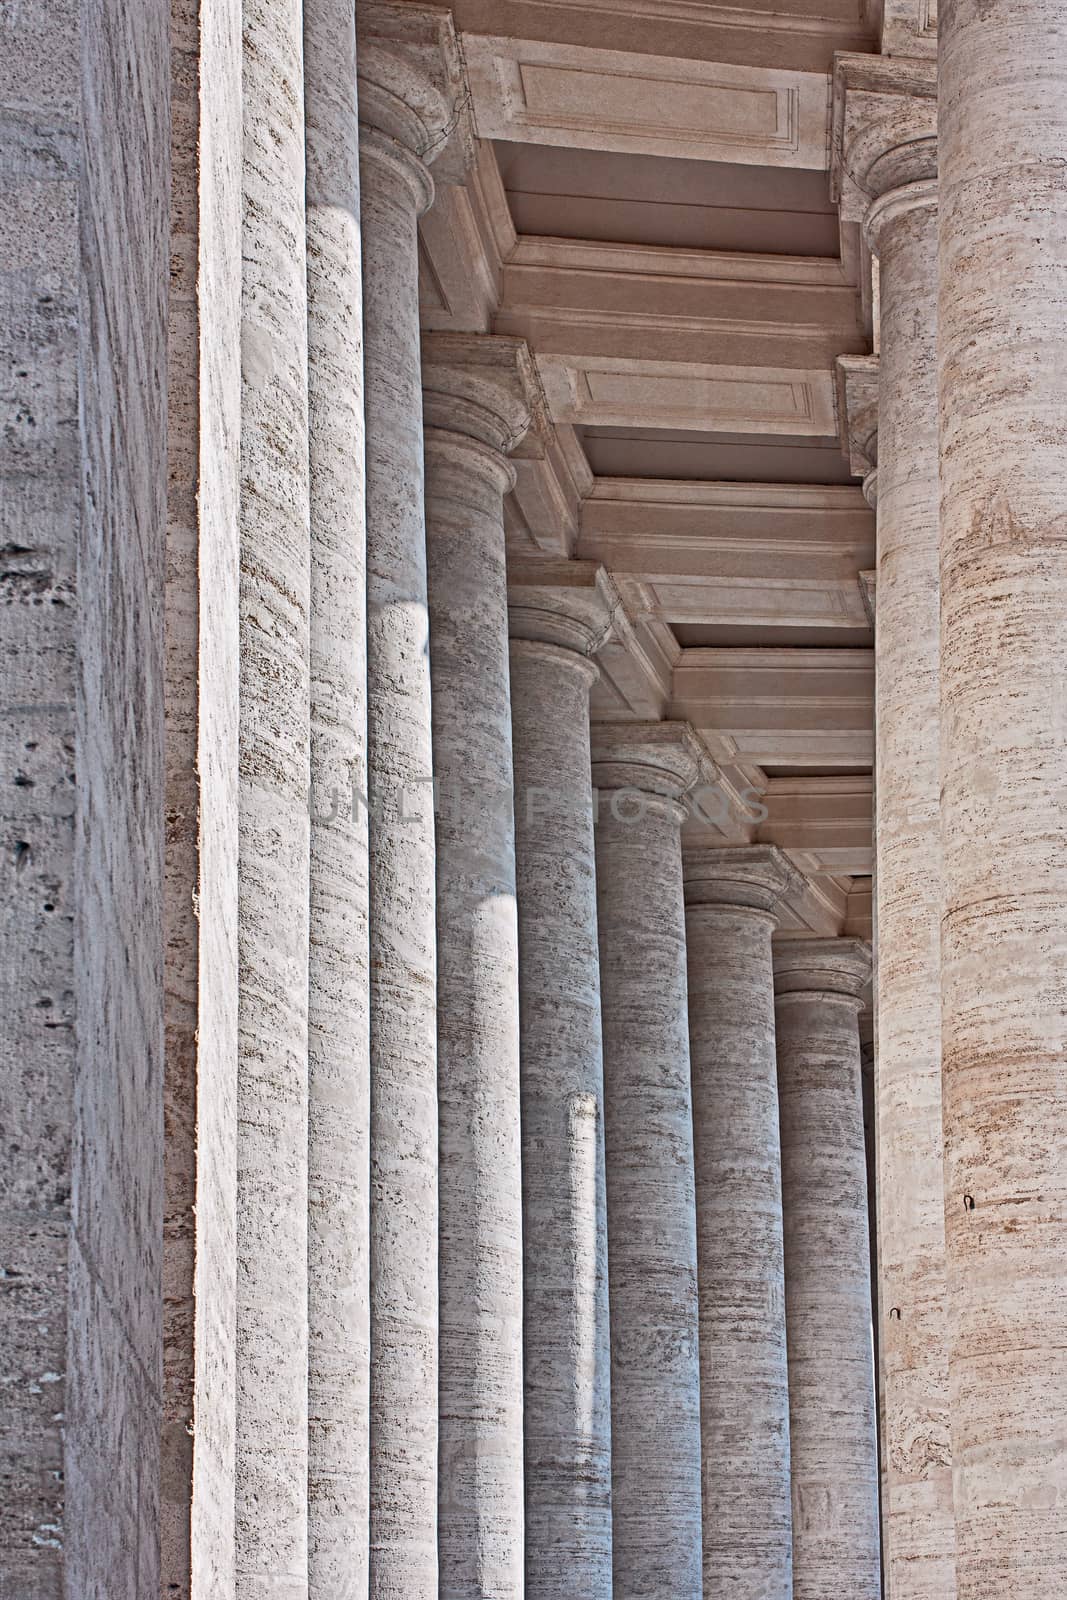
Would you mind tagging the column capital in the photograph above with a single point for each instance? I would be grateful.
(569, 605)
(657, 758)
(483, 388)
(413, 89)
(883, 131)
(822, 967)
(856, 384)
(756, 877)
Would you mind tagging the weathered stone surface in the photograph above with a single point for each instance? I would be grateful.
(566, 1383)
(1002, 360)
(641, 771)
(481, 397)
(200, 906)
(917, 1506)
(731, 896)
(410, 96)
(338, 974)
(272, 1085)
(833, 1443)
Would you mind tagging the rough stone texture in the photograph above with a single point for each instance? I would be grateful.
(112, 1408)
(1002, 356)
(744, 1395)
(200, 907)
(833, 1439)
(410, 96)
(917, 1490)
(566, 1346)
(338, 975)
(481, 397)
(40, 471)
(272, 1196)
(640, 773)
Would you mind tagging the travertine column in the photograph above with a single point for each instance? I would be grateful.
(481, 396)
(338, 977)
(1002, 357)
(731, 896)
(273, 860)
(641, 773)
(889, 148)
(833, 1440)
(411, 95)
(566, 1378)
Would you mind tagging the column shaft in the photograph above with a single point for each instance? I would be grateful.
(648, 1131)
(487, 388)
(272, 1147)
(338, 977)
(919, 1530)
(833, 1439)
(1002, 354)
(566, 1379)
(744, 1395)
(409, 99)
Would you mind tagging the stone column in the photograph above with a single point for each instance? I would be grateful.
(481, 396)
(641, 772)
(890, 151)
(411, 96)
(833, 1439)
(1002, 357)
(273, 831)
(338, 977)
(556, 628)
(731, 895)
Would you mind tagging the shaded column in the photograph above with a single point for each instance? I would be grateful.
(338, 975)
(641, 773)
(481, 397)
(1002, 358)
(411, 95)
(273, 831)
(566, 1383)
(731, 895)
(833, 1440)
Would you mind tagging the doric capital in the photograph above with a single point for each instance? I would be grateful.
(883, 130)
(754, 877)
(660, 758)
(868, 582)
(569, 604)
(822, 967)
(484, 387)
(413, 86)
(856, 391)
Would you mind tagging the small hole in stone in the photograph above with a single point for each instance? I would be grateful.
(894, 1313)
(968, 1202)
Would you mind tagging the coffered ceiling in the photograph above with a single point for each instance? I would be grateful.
(651, 211)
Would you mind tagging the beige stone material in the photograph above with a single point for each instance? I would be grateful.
(481, 397)
(556, 625)
(819, 986)
(411, 109)
(641, 772)
(731, 896)
(1002, 372)
(338, 974)
(917, 1493)
(272, 1154)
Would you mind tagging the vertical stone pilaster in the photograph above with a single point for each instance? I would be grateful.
(833, 1440)
(566, 1382)
(481, 397)
(273, 871)
(412, 110)
(641, 773)
(1002, 375)
(731, 895)
(889, 148)
(338, 967)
